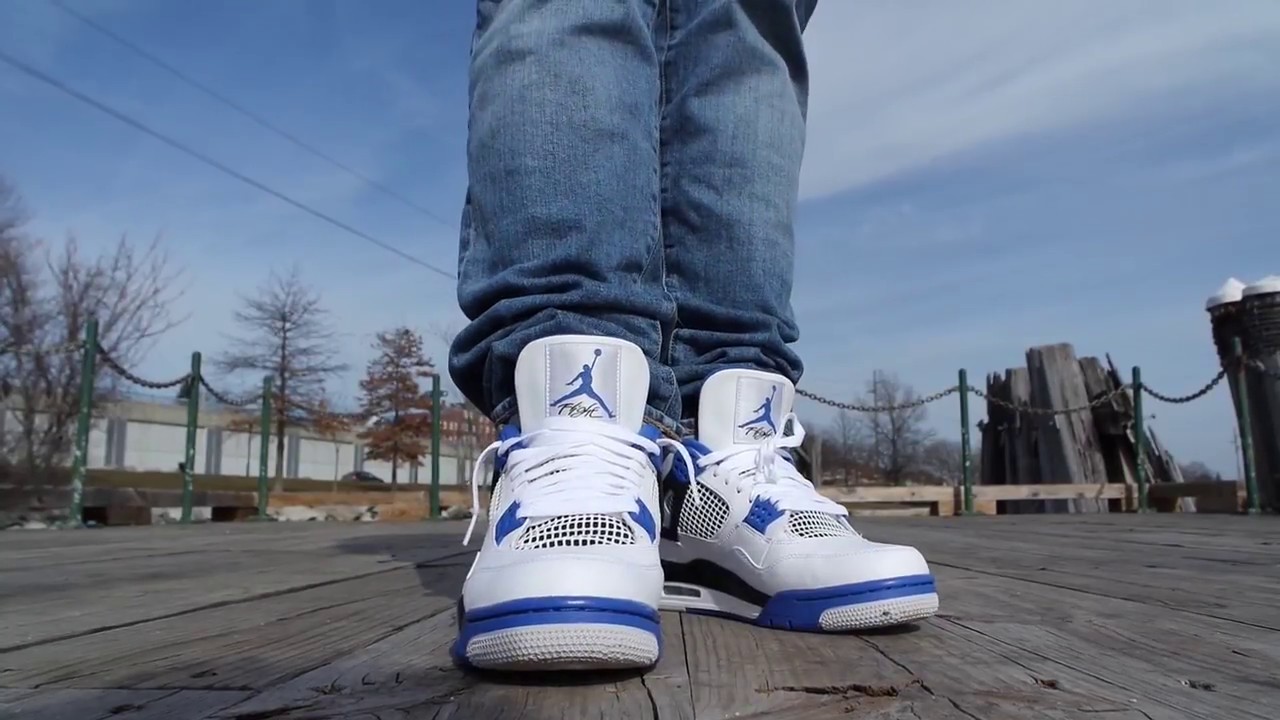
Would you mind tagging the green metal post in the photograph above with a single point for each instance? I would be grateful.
(193, 420)
(1139, 440)
(84, 421)
(435, 445)
(264, 434)
(966, 458)
(1246, 429)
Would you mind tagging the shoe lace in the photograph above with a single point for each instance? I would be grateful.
(764, 471)
(571, 466)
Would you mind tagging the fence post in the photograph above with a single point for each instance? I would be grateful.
(193, 419)
(84, 421)
(264, 434)
(1246, 428)
(966, 459)
(1139, 440)
(435, 445)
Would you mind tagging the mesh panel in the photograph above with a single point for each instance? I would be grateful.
(703, 519)
(809, 524)
(576, 531)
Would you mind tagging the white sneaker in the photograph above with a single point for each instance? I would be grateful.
(569, 575)
(751, 538)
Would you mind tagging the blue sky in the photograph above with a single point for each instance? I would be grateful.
(981, 176)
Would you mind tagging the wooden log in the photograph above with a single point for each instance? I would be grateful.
(1069, 451)
(1113, 421)
(1024, 462)
(995, 434)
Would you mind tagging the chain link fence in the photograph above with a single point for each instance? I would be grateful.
(194, 380)
(1020, 408)
(189, 385)
(1135, 391)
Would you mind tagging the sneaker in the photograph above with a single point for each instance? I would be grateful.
(569, 575)
(751, 538)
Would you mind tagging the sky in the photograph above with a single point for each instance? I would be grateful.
(980, 177)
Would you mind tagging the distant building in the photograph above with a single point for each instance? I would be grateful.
(462, 425)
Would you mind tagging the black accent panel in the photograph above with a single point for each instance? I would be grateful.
(709, 575)
(461, 613)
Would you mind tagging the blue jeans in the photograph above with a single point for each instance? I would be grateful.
(634, 169)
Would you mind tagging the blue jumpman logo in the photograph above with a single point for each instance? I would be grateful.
(585, 387)
(765, 411)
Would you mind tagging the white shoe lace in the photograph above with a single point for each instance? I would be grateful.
(764, 472)
(571, 467)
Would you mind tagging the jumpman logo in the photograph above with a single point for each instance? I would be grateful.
(585, 381)
(763, 418)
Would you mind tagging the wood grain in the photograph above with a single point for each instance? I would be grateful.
(1122, 617)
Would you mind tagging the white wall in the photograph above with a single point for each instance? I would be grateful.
(155, 439)
(153, 446)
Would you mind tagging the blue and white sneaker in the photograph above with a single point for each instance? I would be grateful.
(751, 538)
(569, 575)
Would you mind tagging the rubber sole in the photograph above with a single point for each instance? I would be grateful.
(863, 606)
(559, 633)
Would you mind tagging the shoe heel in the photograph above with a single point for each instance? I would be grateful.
(570, 633)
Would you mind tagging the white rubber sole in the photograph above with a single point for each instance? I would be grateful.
(879, 614)
(836, 617)
(571, 646)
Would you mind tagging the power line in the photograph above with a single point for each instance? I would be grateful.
(181, 147)
(252, 116)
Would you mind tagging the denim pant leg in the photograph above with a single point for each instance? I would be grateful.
(735, 88)
(560, 229)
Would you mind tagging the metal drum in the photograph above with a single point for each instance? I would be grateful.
(1260, 303)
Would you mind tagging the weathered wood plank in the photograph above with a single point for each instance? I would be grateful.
(1205, 669)
(242, 646)
(69, 600)
(406, 674)
(1068, 443)
(114, 704)
(738, 670)
(1233, 594)
(1123, 617)
(668, 684)
(409, 674)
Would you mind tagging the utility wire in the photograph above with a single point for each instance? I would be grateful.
(177, 145)
(252, 116)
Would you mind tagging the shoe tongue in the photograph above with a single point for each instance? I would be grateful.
(742, 407)
(581, 376)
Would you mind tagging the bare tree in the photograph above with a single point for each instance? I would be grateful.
(845, 441)
(46, 298)
(942, 459)
(895, 436)
(286, 334)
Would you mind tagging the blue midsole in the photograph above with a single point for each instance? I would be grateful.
(542, 611)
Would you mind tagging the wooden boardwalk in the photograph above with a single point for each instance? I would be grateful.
(1095, 617)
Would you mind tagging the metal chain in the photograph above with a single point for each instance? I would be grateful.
(225, 400)
(1100, 400)
(854, 407)
(120, 370)
(1181, 399)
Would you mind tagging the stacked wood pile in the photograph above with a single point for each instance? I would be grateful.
(1040, 444)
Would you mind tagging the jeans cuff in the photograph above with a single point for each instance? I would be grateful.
(689, 427)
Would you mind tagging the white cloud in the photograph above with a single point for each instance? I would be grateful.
(898, 86)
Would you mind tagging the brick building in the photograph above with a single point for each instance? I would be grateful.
(462, 426)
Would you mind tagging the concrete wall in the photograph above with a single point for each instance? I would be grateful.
(152, 436)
